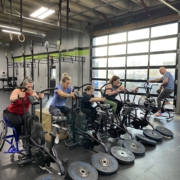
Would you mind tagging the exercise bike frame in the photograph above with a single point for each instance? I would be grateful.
(51, 152)
(93, 137)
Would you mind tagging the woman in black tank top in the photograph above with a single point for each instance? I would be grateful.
(113, 88)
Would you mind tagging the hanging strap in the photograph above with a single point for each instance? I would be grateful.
(67, 20)
(10, 35)
(21, 37)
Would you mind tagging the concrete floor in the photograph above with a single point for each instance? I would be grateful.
(161, 162)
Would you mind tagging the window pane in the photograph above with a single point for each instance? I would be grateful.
(138, 34)
(99, 40)
(98, 84)
(120, 73)
(163, 59)
(164, 45)
(97, 94)
(137, 74)
(99, 74)
(115, 38)
(164, 30)
(137, 60)
(101, 62)
(116, 62)
(101, 51)
(138, 47)
(154, 73)
(118, 49)
(155, 87)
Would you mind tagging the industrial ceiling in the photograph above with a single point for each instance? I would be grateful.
(96, 14)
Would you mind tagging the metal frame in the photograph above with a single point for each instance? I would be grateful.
(136, 54)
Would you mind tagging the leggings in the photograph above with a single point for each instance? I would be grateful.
(119, 105)
(16, 120)
(56, 111)
(113, 104)
(162, 94)
(90, 113)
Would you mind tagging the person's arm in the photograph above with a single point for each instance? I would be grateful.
(15, 95)
(97, 99)
(110, 92)
(65, 95)
(40, 96)
(155, 80)
(122, 88)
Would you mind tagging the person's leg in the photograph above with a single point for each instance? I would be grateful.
(16, 122)
(163, 94)
(65, 109)
(55, 111)
(67, 112)
(88, 113)
(113, 104)
(119, 105)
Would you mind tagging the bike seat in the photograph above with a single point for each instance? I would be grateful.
(58, 119)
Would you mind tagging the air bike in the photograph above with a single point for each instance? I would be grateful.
(133, 120)
(83, 133)
(33, 139)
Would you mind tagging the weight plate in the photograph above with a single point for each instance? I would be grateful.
(123, 155)
(146, 140)
(49, 177)
(81, 170)
(3, 132)
(164, 131)
(154, 135)
(135, 147)
(104, 163)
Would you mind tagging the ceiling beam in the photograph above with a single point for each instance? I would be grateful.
(122, 5)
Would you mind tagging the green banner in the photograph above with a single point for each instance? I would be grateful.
(84, 52)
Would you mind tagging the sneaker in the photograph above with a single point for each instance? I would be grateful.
(167, 102)
(57, 139)
(158, 114)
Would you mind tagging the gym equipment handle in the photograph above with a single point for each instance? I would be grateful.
(79, 87)
(49, 89)
(22, 87)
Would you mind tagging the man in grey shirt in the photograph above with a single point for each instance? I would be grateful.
(167, 87)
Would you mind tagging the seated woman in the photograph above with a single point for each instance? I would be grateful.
(14, 111)
(113, 89)
(57, 105)
(88, 99)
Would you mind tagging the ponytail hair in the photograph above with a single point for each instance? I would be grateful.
(114, 78)
(88, 88)
(65, 77)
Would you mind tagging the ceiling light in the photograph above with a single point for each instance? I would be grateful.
(9, 31)
(38, 12)
(24, 31)
(45, 14)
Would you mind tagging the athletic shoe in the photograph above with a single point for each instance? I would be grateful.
(158, 114)
(57, 139)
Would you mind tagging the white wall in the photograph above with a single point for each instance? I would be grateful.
(75, 40)
(3, 62)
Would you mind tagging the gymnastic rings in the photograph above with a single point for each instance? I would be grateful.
(21, 37)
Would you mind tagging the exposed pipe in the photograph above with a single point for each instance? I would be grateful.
(173, 8)
(40, 21)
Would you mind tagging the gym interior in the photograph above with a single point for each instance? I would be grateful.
(91, 41)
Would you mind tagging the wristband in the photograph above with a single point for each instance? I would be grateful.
(68, 95)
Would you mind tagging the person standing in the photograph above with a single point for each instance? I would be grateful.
(166, 88)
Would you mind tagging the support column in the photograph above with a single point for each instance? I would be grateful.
(177, 74)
